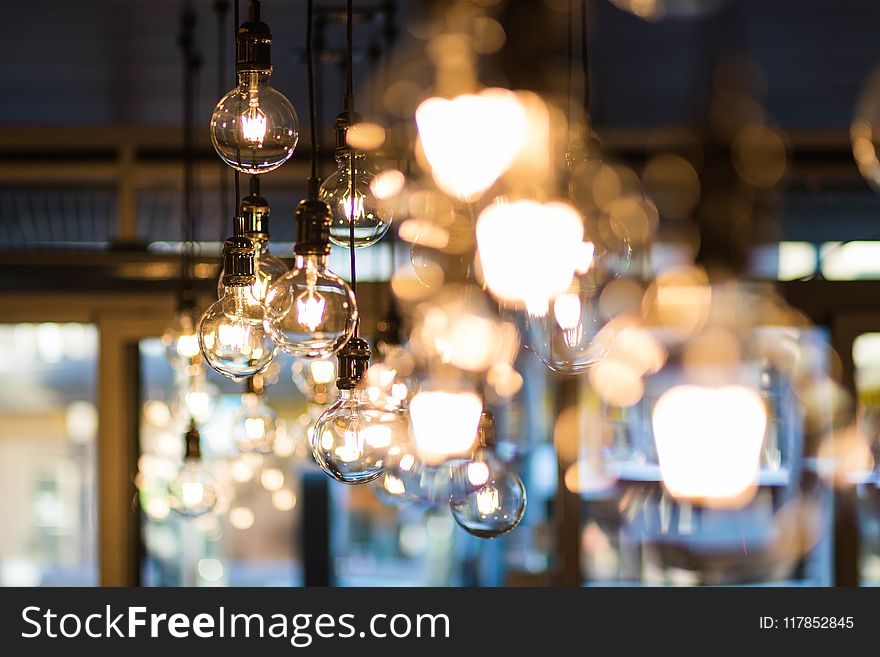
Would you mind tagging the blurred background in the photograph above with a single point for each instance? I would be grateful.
(692, 102)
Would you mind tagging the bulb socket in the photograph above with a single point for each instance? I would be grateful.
(238, 261)
(254, 213)
(192, 442)
(254, 384)
(354, 359)
(312, 228)
(341, 127)
(486, 429)
(253, 46)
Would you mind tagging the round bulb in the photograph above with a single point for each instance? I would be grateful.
(416, 480)
(254, 128)
(254, 425)
(312, 311)
(497, 506)
(233, 336)
(181, 342)
(199, 399)
(352, 437)
(371, 219)
(267, 269)
(192, 492)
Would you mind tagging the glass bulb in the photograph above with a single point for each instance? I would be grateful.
(254, 425)
(233, 336)
(497, 506)
(267, 269)
(192, 493)
(254, 128)
(573, 334)
(413, 479)
(181, 343)
(371, 219)
(312, 311)
(352, 437)
(199, 399)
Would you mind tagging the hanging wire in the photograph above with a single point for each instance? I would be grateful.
(349, 101)
(235, 23)
(585, 68)
(313, 111)
(186, 299)
(221, 7)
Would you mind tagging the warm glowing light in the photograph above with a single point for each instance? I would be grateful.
(352, 447)
(586, 251)
(378, 436)
(284, 499)
(253, 125)
(444, 424)
(241, 471)
(254, 428)
(709, 442)
(241, 517)
(471, 140)
(567, 310)
(477, 473)
(272, 479)
(365, 136)
(323, 371)
(393, 485)
(488, 500)
(188, 345)
(387, 184)
(198, 403)
(310, 307)
(192, 493)
(516, 265)
(350, 209)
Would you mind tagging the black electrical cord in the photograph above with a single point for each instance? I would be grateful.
(221, 7)
(235, 22)
(585, 67)
(186, 299)
(349, 101)
(313, 111)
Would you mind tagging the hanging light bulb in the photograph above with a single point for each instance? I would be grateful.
(192, 492)
(232, 333)
(498, 502)
(410, 478)
(254, 425)
(444, 423)
(254, 128)
(352, 437)
(254, 214)
(181, 342)
(370, 218)
(198, 399)
(312, 311)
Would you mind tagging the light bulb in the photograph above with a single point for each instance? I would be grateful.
(350, 439)
(574, 334)
(199, 399)
(192, 492)
(434, 484)
(181, 342)
(312, 311)
(371, 219)
(444, 424)
(495, 508)
(233, 336)
(529, 251)
(709, 442)
(267, 269)
(254, 128)
(254, 425)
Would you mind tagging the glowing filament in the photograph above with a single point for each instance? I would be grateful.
(488, 500)
(567, 310)
(310, 304)
(352, 447)
(477, 473)
(345, 204)
(253, 124)
(193, 492)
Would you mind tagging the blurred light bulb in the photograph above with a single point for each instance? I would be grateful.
(529, 251)
(254, 128)
(254, 425)
(323, 371)
(709, 441)
(181, 342)
(444, 424)
(567, 311)
(312, 311)
(192, 492)
(371, 219)
(471, 140)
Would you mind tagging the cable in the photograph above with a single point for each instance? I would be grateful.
(349, 98)
(585, 66)
(235, 23)
(313, 112)
(221, 7)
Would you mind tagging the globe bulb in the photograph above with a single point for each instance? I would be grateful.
(574, 333)
(411, 478)
(267, 269)
(192, 492)
(496, 507)
(181, 342)
(233, 336)
(312, 311)
(254, 425)
(199, 399)
(254, 128)
(350, 439)
(371, 219)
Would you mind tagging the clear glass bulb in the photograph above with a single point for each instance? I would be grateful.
(412, 478)
(311, 310)
(574, 333)
(371, 218)
(199, 399)
(192, 492)
(254, 425)
(254, 128)
(498, 504)
(352, 437)
(233, 336)
(267, 269)
(181, 342)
